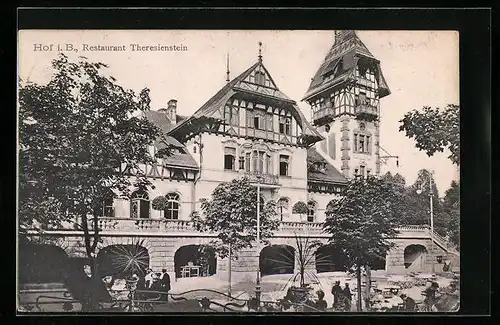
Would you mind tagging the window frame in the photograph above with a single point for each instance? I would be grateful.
(173, 205)
(137, 199)
(231, 156)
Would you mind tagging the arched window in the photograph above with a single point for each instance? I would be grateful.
(139, 205)
(311, 211)
(172, 207)
(283, 208)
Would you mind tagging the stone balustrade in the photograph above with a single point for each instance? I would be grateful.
(286, 228)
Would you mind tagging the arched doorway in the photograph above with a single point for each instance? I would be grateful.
(277, 259)
(42, 263)
(115, 260)
(414, 257)
(195, 255)
(329, 259)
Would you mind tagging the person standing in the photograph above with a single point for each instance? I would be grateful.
(165, 284)
(337, 293)
(149, 278)
(347, 297)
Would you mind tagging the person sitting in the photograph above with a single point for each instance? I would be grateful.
(320, 303)
(430, 295)
(408, 303)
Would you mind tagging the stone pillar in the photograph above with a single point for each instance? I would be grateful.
(395, 261)
(345, 145)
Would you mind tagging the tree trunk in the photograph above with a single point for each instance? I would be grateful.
(368, 287)
(229, 266)
(358, 277)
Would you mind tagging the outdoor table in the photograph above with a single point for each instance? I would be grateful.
(188, 270)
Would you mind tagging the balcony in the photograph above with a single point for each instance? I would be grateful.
(324, 115)
(262, 178)
(130, 225)
(366, 112)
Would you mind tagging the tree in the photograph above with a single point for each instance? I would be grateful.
(159, 203)
(451, 206)
(434, 130)
(362, 222)
(75, 132)
(231, 213)
(300, 208)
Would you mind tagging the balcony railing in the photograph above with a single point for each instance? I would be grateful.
(165, 225)
(262, 178)
(366, 111)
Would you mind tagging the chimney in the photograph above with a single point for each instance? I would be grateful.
(172, 111)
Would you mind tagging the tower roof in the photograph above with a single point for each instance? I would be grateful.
(246, 83)
(341, 61)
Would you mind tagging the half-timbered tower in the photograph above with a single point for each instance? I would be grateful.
(344, 95)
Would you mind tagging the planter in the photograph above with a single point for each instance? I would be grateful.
(300, 294)
(132, 284)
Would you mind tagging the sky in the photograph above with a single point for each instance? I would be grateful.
(420, 67)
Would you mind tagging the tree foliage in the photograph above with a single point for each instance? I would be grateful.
(434, 130)
(74, 134)
(300, 208)
(159, 203)
(231, 213)
(363, 220)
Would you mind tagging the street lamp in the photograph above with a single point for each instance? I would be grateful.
(257, 282)
(419, 191)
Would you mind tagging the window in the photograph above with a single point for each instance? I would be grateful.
(106, 209)
(311, 211)
(260, 163)
(139, 205)
(247, 161)
(231, 115)
(362, 171)
(362, 98)
(355, 171)
(284, 164)
(172, 207)
(229, 158)
(285, 125)
(362, 143)
(283, 208)
(241, 163)
(269, 122)
(269, 169)
(260, 77)
(256, 122)
(367, 173)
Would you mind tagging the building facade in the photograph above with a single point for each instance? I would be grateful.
(249, 128)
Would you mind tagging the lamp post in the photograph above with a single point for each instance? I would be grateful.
(419, 191)
(257, 282)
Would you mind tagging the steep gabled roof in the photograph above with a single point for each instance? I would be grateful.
(340, 62)
(179, 155)
(328, 174)
(245, 83)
